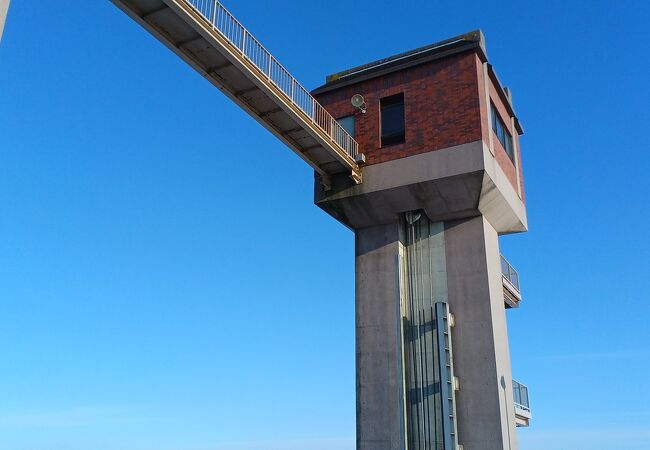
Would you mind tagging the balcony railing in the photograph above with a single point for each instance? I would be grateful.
(250, 48)
(521, 395)
(522, 404)
(509, 273)
(511, 293)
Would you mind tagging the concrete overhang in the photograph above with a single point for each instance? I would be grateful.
(453, 183)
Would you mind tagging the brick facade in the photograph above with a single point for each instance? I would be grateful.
(444, 105)
(441, 107)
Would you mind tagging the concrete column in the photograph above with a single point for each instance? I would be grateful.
(380, 402)
(485, 412)
(4, 6)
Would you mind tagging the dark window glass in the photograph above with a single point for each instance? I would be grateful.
(392, 120)
(347, 123)
(502, 134)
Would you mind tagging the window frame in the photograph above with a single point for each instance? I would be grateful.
(387, 103)
(502, 133)
(354, 124)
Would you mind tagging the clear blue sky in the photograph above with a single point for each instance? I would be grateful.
(166, 282)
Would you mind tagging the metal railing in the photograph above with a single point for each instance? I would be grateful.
(250, 48)
(509, 273)
(520, 393)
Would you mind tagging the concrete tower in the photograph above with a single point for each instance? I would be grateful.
(4, 7)
(442, 180)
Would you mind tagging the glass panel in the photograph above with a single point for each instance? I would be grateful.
(502, 134)
(392, 120)
(347, 123)
(509, 148)
(429, 407)
(504, 267)
(524, 396)
(516, 393)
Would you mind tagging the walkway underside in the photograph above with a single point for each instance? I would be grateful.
(208, 38)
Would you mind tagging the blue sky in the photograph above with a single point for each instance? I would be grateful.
(166, 281)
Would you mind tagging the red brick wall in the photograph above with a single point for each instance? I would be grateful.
(485, 104)
(521, 172)
(441, 107)
(500, 154)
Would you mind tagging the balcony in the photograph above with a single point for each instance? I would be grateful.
(522, 404)
(511, 292)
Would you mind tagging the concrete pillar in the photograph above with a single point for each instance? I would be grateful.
(380, 390)
(485, 412)
(4, 7)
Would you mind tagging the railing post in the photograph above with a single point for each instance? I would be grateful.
(214, 14)
(243, 42)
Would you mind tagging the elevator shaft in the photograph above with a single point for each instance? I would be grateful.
(430, 421)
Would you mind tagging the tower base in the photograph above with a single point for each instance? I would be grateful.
(403, 394)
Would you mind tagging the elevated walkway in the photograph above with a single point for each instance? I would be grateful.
(212, 41)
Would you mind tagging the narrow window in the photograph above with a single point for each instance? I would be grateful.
(347, 123)
(502, 134)
(392, 120)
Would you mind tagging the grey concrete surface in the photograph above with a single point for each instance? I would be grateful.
(4, 7)
(453, 183)
(380, 391)
(485, 412)
(465, 188)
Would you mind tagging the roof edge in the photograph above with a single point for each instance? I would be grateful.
(474, 40)
(506, 97)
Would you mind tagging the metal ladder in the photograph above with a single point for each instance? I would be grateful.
(447, 388)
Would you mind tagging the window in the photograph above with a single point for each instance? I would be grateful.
(392, 120)
(502, 134)
(347, 123)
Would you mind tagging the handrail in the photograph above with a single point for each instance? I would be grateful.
(509, 273)
(238, 36)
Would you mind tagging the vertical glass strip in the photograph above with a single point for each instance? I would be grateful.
(427, 351)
